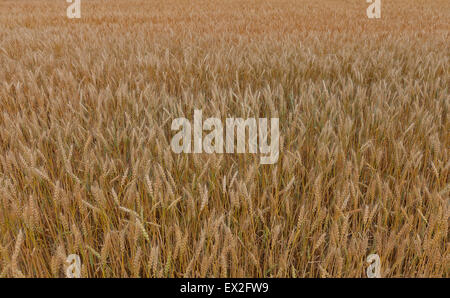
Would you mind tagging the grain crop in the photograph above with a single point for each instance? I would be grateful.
(86, 165)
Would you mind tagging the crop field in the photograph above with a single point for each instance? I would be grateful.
(87, 168)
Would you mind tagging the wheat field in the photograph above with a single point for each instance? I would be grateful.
(86, 165)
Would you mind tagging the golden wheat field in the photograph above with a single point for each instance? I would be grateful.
(86, 166)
